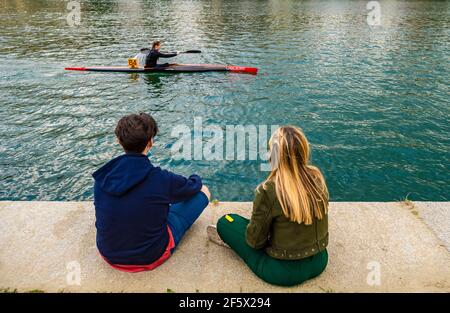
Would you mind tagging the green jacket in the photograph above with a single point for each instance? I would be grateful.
(283, 239)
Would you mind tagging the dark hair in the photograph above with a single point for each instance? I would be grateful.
(134, 131)
(156, 43)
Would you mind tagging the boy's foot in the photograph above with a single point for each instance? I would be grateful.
(213, 236)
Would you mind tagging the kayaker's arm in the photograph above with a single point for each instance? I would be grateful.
(167, 55)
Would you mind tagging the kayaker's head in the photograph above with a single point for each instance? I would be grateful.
(156, 45)
(135, 132)
(300, 187)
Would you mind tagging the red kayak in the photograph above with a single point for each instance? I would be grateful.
(173, 68)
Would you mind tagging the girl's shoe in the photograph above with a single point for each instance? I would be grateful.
(213, 236)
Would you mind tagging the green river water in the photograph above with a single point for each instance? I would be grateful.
(372, 100)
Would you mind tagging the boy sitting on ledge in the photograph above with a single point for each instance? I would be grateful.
(142, 211)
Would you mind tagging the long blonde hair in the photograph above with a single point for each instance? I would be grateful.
(300, 187)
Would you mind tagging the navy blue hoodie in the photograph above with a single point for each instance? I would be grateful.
(132, 198)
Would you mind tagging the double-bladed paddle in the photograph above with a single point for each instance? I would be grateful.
(191, 51)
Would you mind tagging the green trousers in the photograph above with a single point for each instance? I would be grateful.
(273, 271)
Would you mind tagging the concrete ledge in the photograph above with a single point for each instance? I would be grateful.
(409, 240)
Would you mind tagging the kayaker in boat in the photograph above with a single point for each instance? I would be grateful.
(154, 54)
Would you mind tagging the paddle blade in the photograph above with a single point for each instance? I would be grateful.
(193, 51)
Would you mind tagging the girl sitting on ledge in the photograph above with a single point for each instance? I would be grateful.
(284, 242)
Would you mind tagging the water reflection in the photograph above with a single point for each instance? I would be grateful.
(154, 83)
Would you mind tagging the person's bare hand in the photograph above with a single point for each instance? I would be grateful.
(205, 190)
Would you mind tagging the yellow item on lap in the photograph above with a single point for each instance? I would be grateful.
(229, 218)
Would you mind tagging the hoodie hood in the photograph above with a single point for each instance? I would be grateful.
(121, 174)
